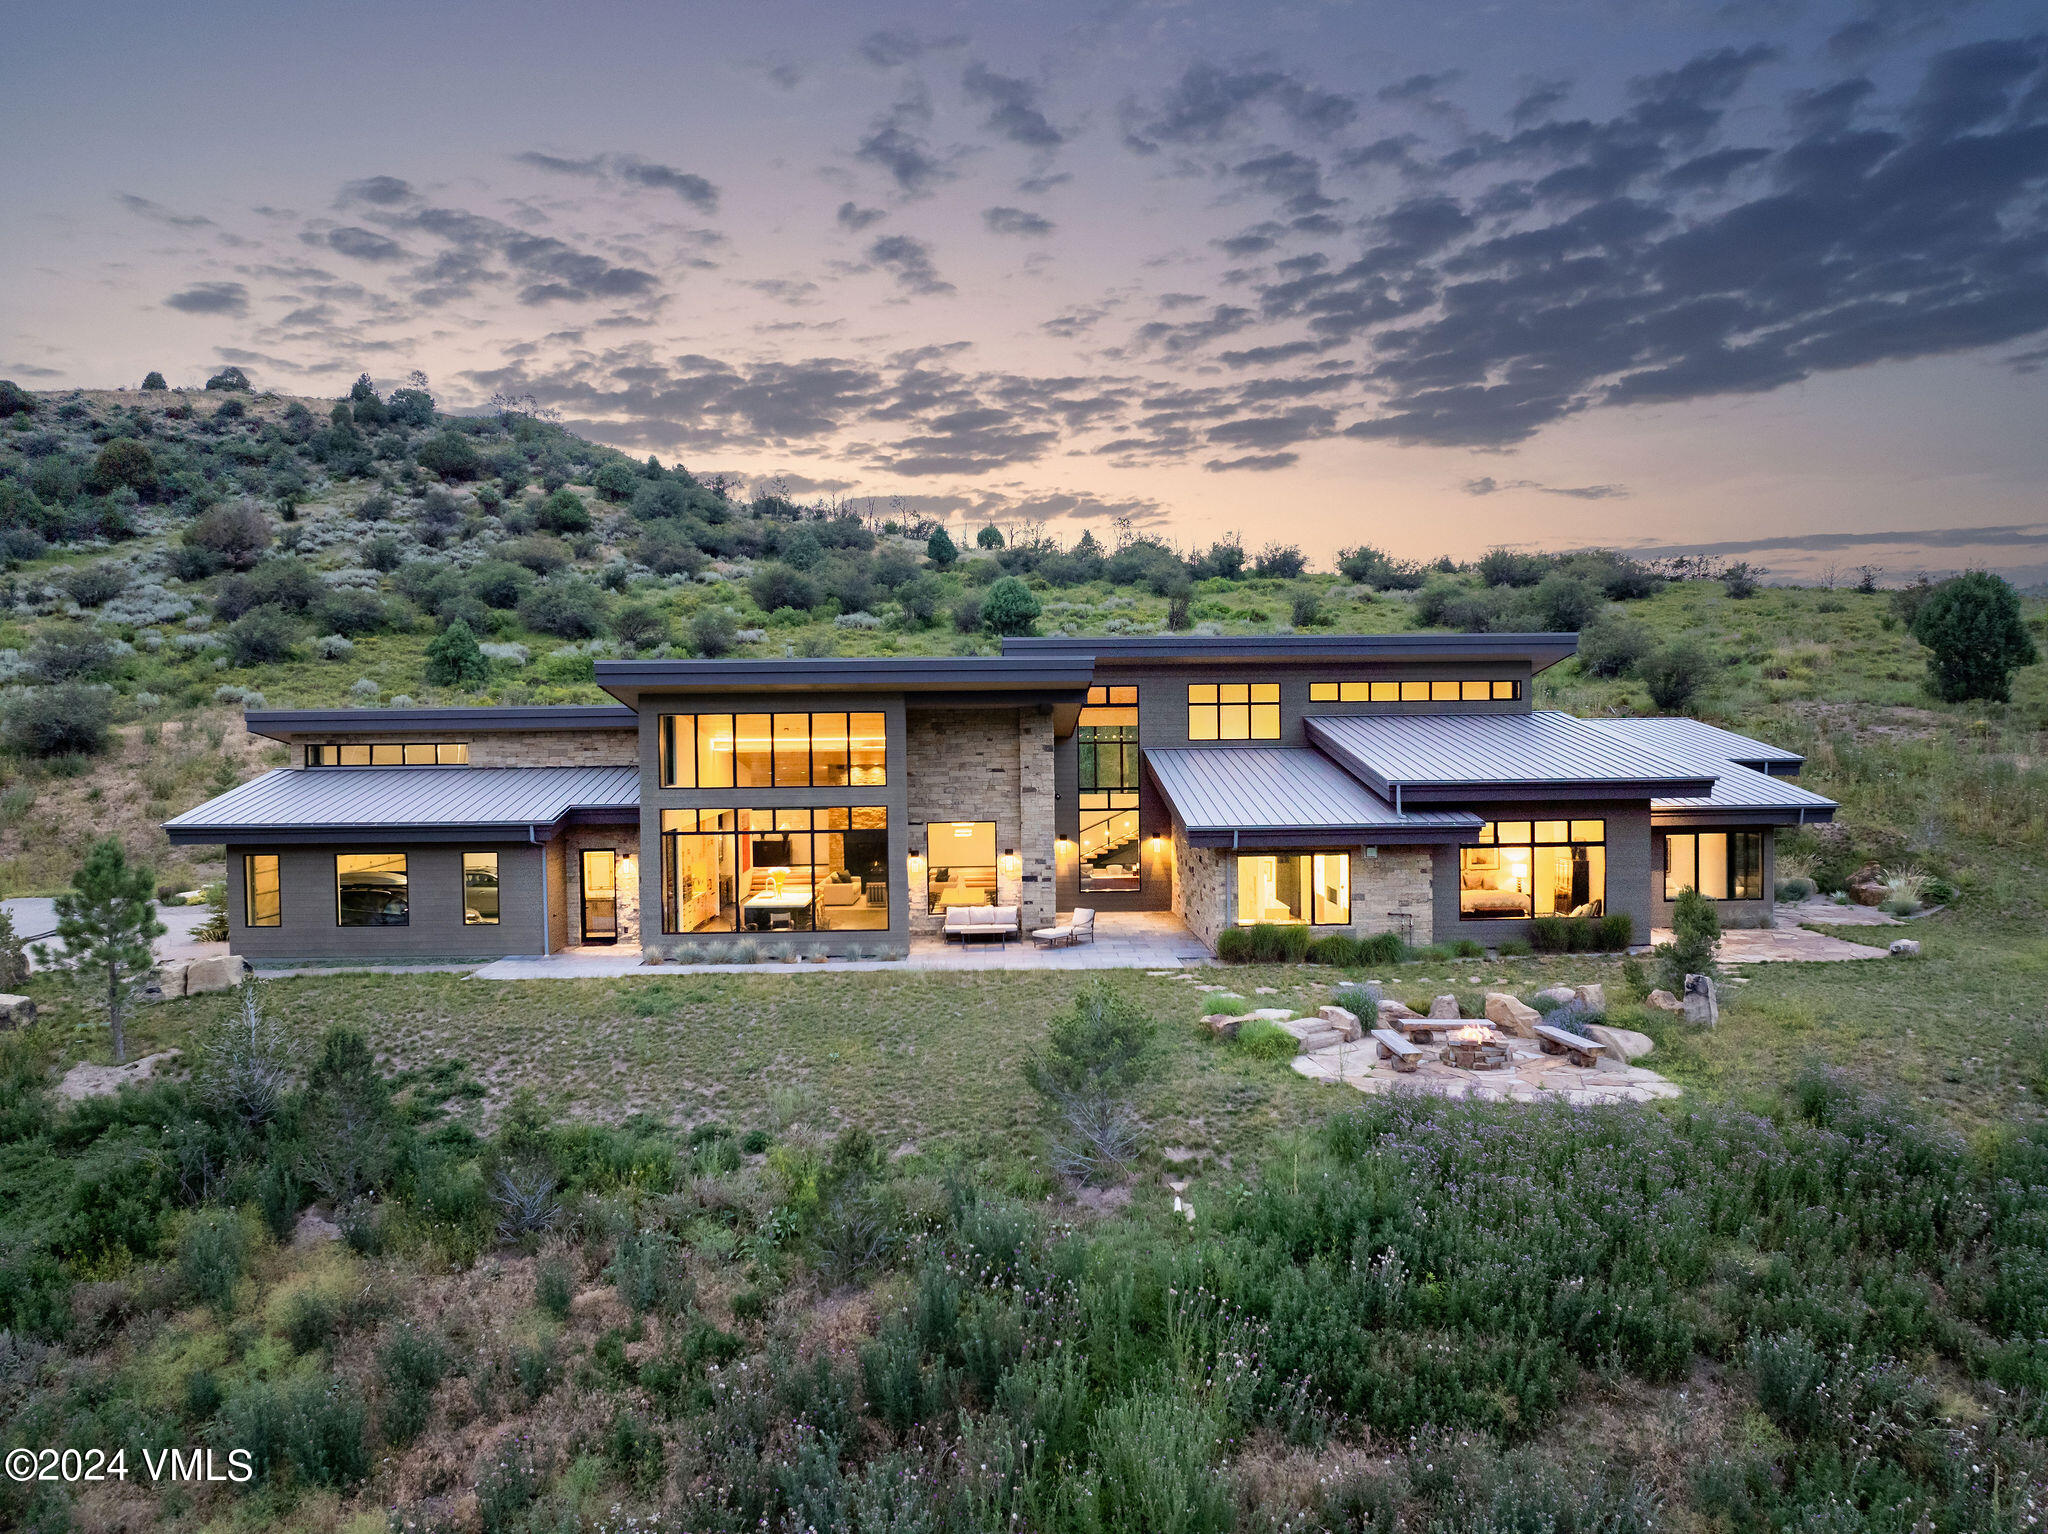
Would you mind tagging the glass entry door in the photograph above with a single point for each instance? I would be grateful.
(600, 895)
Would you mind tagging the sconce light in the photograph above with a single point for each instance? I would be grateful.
(1011, 862)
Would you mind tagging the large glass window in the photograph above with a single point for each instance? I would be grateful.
(1233, 711)
(960, 863)
(262, 901)
(370, 890)
(1294, 888)
(773, 750)
(775, 870)
(1721, 865)
(413, 753)
(1107, 747)
(480, 889)
(1524, 868)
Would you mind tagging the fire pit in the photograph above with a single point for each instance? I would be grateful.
(1474, 1049)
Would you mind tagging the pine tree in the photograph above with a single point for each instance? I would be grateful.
(939, 549)
(1695, 931)
(455, 660)
(1977, 638)
(107, 921)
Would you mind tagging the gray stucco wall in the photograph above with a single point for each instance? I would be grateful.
(308, 929)
(1628, 865)
(654, 799)
(1733, 913)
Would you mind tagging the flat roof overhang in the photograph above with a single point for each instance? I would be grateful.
(289, 723)
(1783, 815)
(1265, 839)
(947, 681)
(389, 835)
(1541, 651)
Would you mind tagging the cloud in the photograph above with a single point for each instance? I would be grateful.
(896, 142)
(911, 263)
(1016, 221)
(853, 216)
(631, 170)
(211, 298)
(1013, 110)
(362, 244)
(1489, 486)
(378, 191)
(1209, 104)
(1260, 463)
(2021, 535)
(156, 212)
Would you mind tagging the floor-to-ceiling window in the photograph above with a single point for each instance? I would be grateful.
(1523, 868)
(960, 864)
(1294, 888)
(1721, 865)
(1107, 748)
(775, 870)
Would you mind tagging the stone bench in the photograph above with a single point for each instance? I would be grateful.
(1555, 1041)
(1406, 1056)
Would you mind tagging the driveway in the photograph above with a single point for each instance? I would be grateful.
(35, 916)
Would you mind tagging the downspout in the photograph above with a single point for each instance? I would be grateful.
(1397, 799)
(545, 915)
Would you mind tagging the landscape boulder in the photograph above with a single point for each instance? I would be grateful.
(1866, 886)
(1223, 1024)
(1592, 997)
(1392, 1011)
(1512, 1017)
(1558, 993)
(16, 1011)
(217, 972)
(1664, 1001)
(1345, 1021)
(1270, 1014)
(1905, 948)
(1444, 1006)
(1701, 1002)
(167, 983)
(1622, 1043)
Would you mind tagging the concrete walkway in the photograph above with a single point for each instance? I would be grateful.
(1123, 940)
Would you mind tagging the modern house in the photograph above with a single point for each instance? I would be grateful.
(1359, 783)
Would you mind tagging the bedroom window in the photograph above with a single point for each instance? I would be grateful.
(1294, 888)
(1721, 865)
(1525, 868)
(1233, 711)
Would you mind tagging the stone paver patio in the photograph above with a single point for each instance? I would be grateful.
(1530, 1077)
(1787, 939)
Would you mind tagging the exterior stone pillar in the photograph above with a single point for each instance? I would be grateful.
(1038, 876)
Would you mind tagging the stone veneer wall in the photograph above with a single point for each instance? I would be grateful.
(1201, 887)
(514, 748)
(986, 764)
(1390, 887)
(625, 841)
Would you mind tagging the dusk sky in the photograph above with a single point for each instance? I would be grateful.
(1765, 277)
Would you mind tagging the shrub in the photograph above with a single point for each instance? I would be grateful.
(1156, 1454)
(509, 1484)
(668, 550)
(229, 378)
(1972, 627)
(71, 652)
(1676, 674)
(410, 1366)
(1009, 607)
(453, 659)
(1234, 945)
(498, 582)
(989, 537)
(262, 637)
(714, 632)
(616, 481)
(1695, 929)
(1362, 1000)
(1338, 948)
(1794, 889)
(1095, 1053)
(554, 1286)
(1612, 646)
(939, 549)
(123, 462)
(1381, 948)
(1306, 609)
(1468, 948)
(212, 1252)
(448, 454)
(70, 719)
(310, 1320)
(1614, 932)
(563, 512)
(285, 583)
(1263, 1039)
(349, 611)
(967, 614)
(1565, 603)
(234, 535)
(1279, 561)
(644, 1270)
(1739, 581)
(571, 608)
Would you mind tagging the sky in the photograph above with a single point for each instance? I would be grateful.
(1765, 278)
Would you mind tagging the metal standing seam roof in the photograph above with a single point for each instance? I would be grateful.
(284, 723)
(1258, 789)
(1694, 740)
(1744, 789)
(295, 801)
(1465, 755)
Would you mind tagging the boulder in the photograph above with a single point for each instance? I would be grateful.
(1393, 1011)
(1866, 886)
(1444, 1006)
(1701, 1002)
(1905, 948)
(1514, 1018)
(1664, 1001)
(16, 1011)
(1592, 997)
(1345, 1022)
(1622, 1043)
(217, 972)
(1559, 993)
(1270, 1014)
(1223, 1024)
(170, 979)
